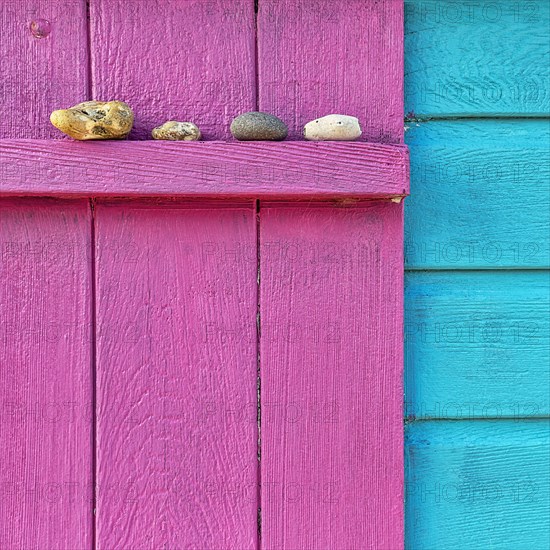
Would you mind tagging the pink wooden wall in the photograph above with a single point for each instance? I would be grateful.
(140, 336)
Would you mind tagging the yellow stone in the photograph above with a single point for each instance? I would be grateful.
(95, 120)
(177, 131)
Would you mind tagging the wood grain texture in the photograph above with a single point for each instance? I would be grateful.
(187, 60)
(480, 195)
(318, 57)
(331, 291)
(478, 485)
(477, 344)
(331, 369)
(40, 74)
(45, 375)
(176, 376)
(477, 58)
(311, 170)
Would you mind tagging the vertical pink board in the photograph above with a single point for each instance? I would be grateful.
(318, 57)
(176, 60)
(332, 291)
(44, 64)
(46, 388)
(176, 375)
(331, 369)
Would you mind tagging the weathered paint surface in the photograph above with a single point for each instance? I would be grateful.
(484, 58)
(477, 344)
(480, 195)
(477, 247)
(46, 448)
(46, 388)
(173, 60)
(317, 57)
(204, 169)
(331, 394)
(176, 375)
(331, 368)
(178, 400)
(44, 64)
(159, 304)
(478, 485)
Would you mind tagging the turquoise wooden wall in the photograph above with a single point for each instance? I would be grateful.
(478, 279)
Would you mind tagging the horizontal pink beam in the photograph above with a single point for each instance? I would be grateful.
(203, 169)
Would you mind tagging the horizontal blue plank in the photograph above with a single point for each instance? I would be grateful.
(478, 485)
(477, 344)
(480, 194)
(477, 58)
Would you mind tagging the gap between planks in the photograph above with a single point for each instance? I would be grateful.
(93, 353)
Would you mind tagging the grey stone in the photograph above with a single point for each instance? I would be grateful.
(257, 126)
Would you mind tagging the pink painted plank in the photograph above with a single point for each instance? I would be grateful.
(180, 435)
(216, 169)
(176, 60)
(331, 292)
(42, 69)
(45, 375)
(331, 369)
(324, 56)
(174, 422)
(176, 375)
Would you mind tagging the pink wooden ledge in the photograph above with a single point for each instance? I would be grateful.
(203, 169)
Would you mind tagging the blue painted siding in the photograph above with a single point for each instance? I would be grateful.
(478, 485)
(478, 281)
(471, 58)
(480, 194)
(477, 344)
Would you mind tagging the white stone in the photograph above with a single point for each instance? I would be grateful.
(333, 128)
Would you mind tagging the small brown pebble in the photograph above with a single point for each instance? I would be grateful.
(177, 131)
